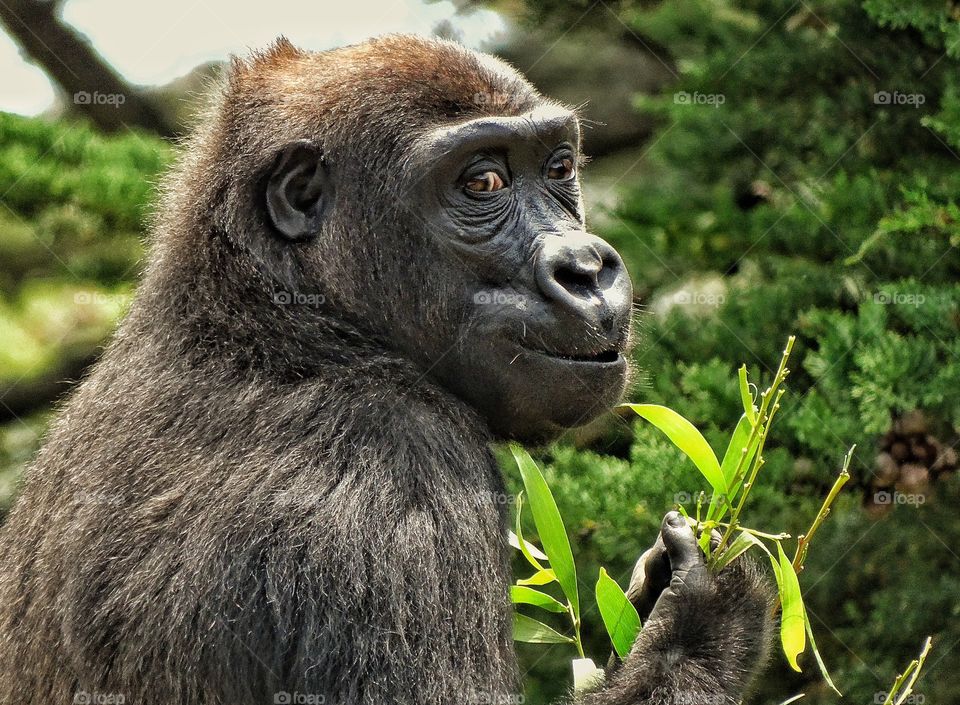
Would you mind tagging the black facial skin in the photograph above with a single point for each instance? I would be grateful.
(540, 343)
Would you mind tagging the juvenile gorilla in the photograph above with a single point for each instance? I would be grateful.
(369, 263)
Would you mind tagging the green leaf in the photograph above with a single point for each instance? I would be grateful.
(541, 577)
(731, 459)
(816, 653)
(553, 536)
(745, 396)
(792, 632)
(704, 543)
(737, 547)
(527, 549)
(534, 632)
(619, 615)
(685, 436)
(750, 535)
(522, 595)
(730, 464)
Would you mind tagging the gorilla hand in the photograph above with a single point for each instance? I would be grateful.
(704, 635)
(652, 574)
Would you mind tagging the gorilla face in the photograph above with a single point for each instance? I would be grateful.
(539, 339)
(486, 276)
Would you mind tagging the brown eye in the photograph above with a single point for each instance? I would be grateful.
(487, 181)
(561, 169)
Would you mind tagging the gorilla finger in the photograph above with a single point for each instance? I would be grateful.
(651, 576)
(640, 576)
(681, 543)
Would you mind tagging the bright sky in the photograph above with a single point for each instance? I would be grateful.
(153, 42)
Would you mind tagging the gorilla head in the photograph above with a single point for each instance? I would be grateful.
(445, 221)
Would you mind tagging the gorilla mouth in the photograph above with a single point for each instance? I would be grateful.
(605, 357)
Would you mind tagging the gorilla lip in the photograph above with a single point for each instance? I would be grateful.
(605, 357)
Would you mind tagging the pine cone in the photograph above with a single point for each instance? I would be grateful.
(909, 462)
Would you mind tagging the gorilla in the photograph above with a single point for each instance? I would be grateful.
(277, 485)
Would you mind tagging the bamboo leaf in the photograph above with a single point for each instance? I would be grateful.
(737, 547)
(522, 595)
(794, 699)
(738, 456)
(541, 577)
(685, 436)
(534, 632)
(553, 535)
(531, 549)
(745, 396)
(816, 654)
(619, 615)
(738, 442)
(792, 632)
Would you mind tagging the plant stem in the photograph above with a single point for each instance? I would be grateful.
(761, 427)
(907, 679)
(803, 541)
(576, 630)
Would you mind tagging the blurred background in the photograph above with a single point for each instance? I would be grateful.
(766, 168)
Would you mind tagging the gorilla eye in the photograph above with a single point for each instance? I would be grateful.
(561, 169)
(487, 181)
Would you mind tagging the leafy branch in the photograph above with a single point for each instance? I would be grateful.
(731, 481)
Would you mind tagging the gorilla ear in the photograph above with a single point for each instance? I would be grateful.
(298, 190)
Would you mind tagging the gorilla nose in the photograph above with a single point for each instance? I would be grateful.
(586, 276)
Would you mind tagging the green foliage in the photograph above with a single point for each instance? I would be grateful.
(44, 164)
(619, 616)
(72, 209)
(804, 178)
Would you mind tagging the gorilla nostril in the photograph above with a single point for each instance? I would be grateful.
(610, 270)
(580, 284)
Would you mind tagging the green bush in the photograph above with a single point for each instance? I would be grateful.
(804, 179)
(73, 209)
